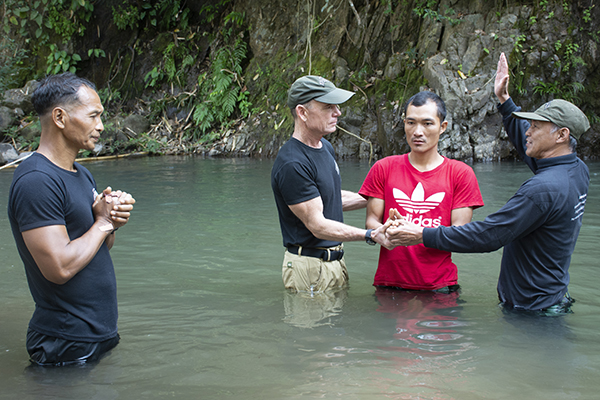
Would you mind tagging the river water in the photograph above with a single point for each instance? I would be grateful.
(203, 313)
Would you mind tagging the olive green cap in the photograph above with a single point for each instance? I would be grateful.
(562, 113)
(311, 87)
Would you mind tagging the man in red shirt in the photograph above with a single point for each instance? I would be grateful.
(429, 190)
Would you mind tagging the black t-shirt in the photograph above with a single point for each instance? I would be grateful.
(301, 173)
(84, 308)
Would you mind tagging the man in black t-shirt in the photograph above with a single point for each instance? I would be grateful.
(64, 229)
(307, 187)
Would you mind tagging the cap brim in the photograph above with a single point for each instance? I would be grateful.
(531, 116)
(336, 96)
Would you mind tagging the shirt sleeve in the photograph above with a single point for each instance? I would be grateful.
(296, 183)
(517, 218)
(37, 201)
(466, 190)
(374, 183)
(515, 129)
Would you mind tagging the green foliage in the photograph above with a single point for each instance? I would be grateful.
(211, 12)
(144, 142)
(569, 91)
(19, 142)
(163, 14)
(389, 7)
(107, 96)
(41, 22)
(173, 67)
(126, 17)
(221, 87)
(11, 63)
(569, 56)
(587, 14)
(59, 61)
(40, 18)
(425, 10)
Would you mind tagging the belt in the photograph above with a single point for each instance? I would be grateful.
(325, 254)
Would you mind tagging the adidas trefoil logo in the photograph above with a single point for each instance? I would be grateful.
(417, 204)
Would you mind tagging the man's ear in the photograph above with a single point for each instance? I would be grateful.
(59, 117)
(444, 126)
(301, 112)
(562, 135)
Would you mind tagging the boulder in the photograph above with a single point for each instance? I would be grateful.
(7, 153)
(7, 118)
(18, 98)
(135, 124)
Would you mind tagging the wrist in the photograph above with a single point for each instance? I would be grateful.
(107, 227)
(369, 238)
(503, 99)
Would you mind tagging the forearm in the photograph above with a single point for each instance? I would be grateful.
(373, 222)
(498, 229)
(60, 259)
(352, 201)
(472, 238)
(515, 129)
(110, 240)
(327, 229)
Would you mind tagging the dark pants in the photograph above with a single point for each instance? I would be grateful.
(561, 308)
(50, 351)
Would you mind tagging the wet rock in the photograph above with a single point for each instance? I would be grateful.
(7, 118)
(7, 153)
(31, 131)
(18, 98)
(135, 125)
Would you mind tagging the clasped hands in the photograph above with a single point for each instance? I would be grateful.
(114, 207)
(400, 232)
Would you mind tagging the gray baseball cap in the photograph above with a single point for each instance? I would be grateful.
(562, 113)
(311, 87)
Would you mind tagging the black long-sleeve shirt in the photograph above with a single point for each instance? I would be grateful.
(538, 226)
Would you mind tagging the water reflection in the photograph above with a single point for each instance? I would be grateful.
(427, 323)
(312, 309)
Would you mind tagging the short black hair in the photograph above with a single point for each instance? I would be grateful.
(423, 97)
(57, 90)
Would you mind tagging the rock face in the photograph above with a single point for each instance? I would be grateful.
(456, 52)
(384, 51)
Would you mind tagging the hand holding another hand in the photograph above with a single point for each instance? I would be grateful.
(401, 232)
(117, 203)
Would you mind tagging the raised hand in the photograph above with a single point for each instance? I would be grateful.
(502, 78)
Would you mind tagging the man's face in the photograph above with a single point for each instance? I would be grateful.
(423, 127)
(321, 117)
(540, 139)
(82, 123)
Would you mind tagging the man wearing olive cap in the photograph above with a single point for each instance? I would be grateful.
(539, 225)
(307, 187)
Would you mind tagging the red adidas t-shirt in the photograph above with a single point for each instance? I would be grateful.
(426, 199)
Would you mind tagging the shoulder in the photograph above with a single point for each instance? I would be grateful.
(546, 182)
(36, 170)
(458, 165)
(392, 161)
(458, 168)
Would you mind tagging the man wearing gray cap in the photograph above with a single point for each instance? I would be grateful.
(307, 186)
(539, 225)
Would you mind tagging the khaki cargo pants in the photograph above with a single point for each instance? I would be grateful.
(301, 273)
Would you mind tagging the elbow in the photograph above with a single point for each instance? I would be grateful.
(57, 275)
(59, 279)
(319, 231)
